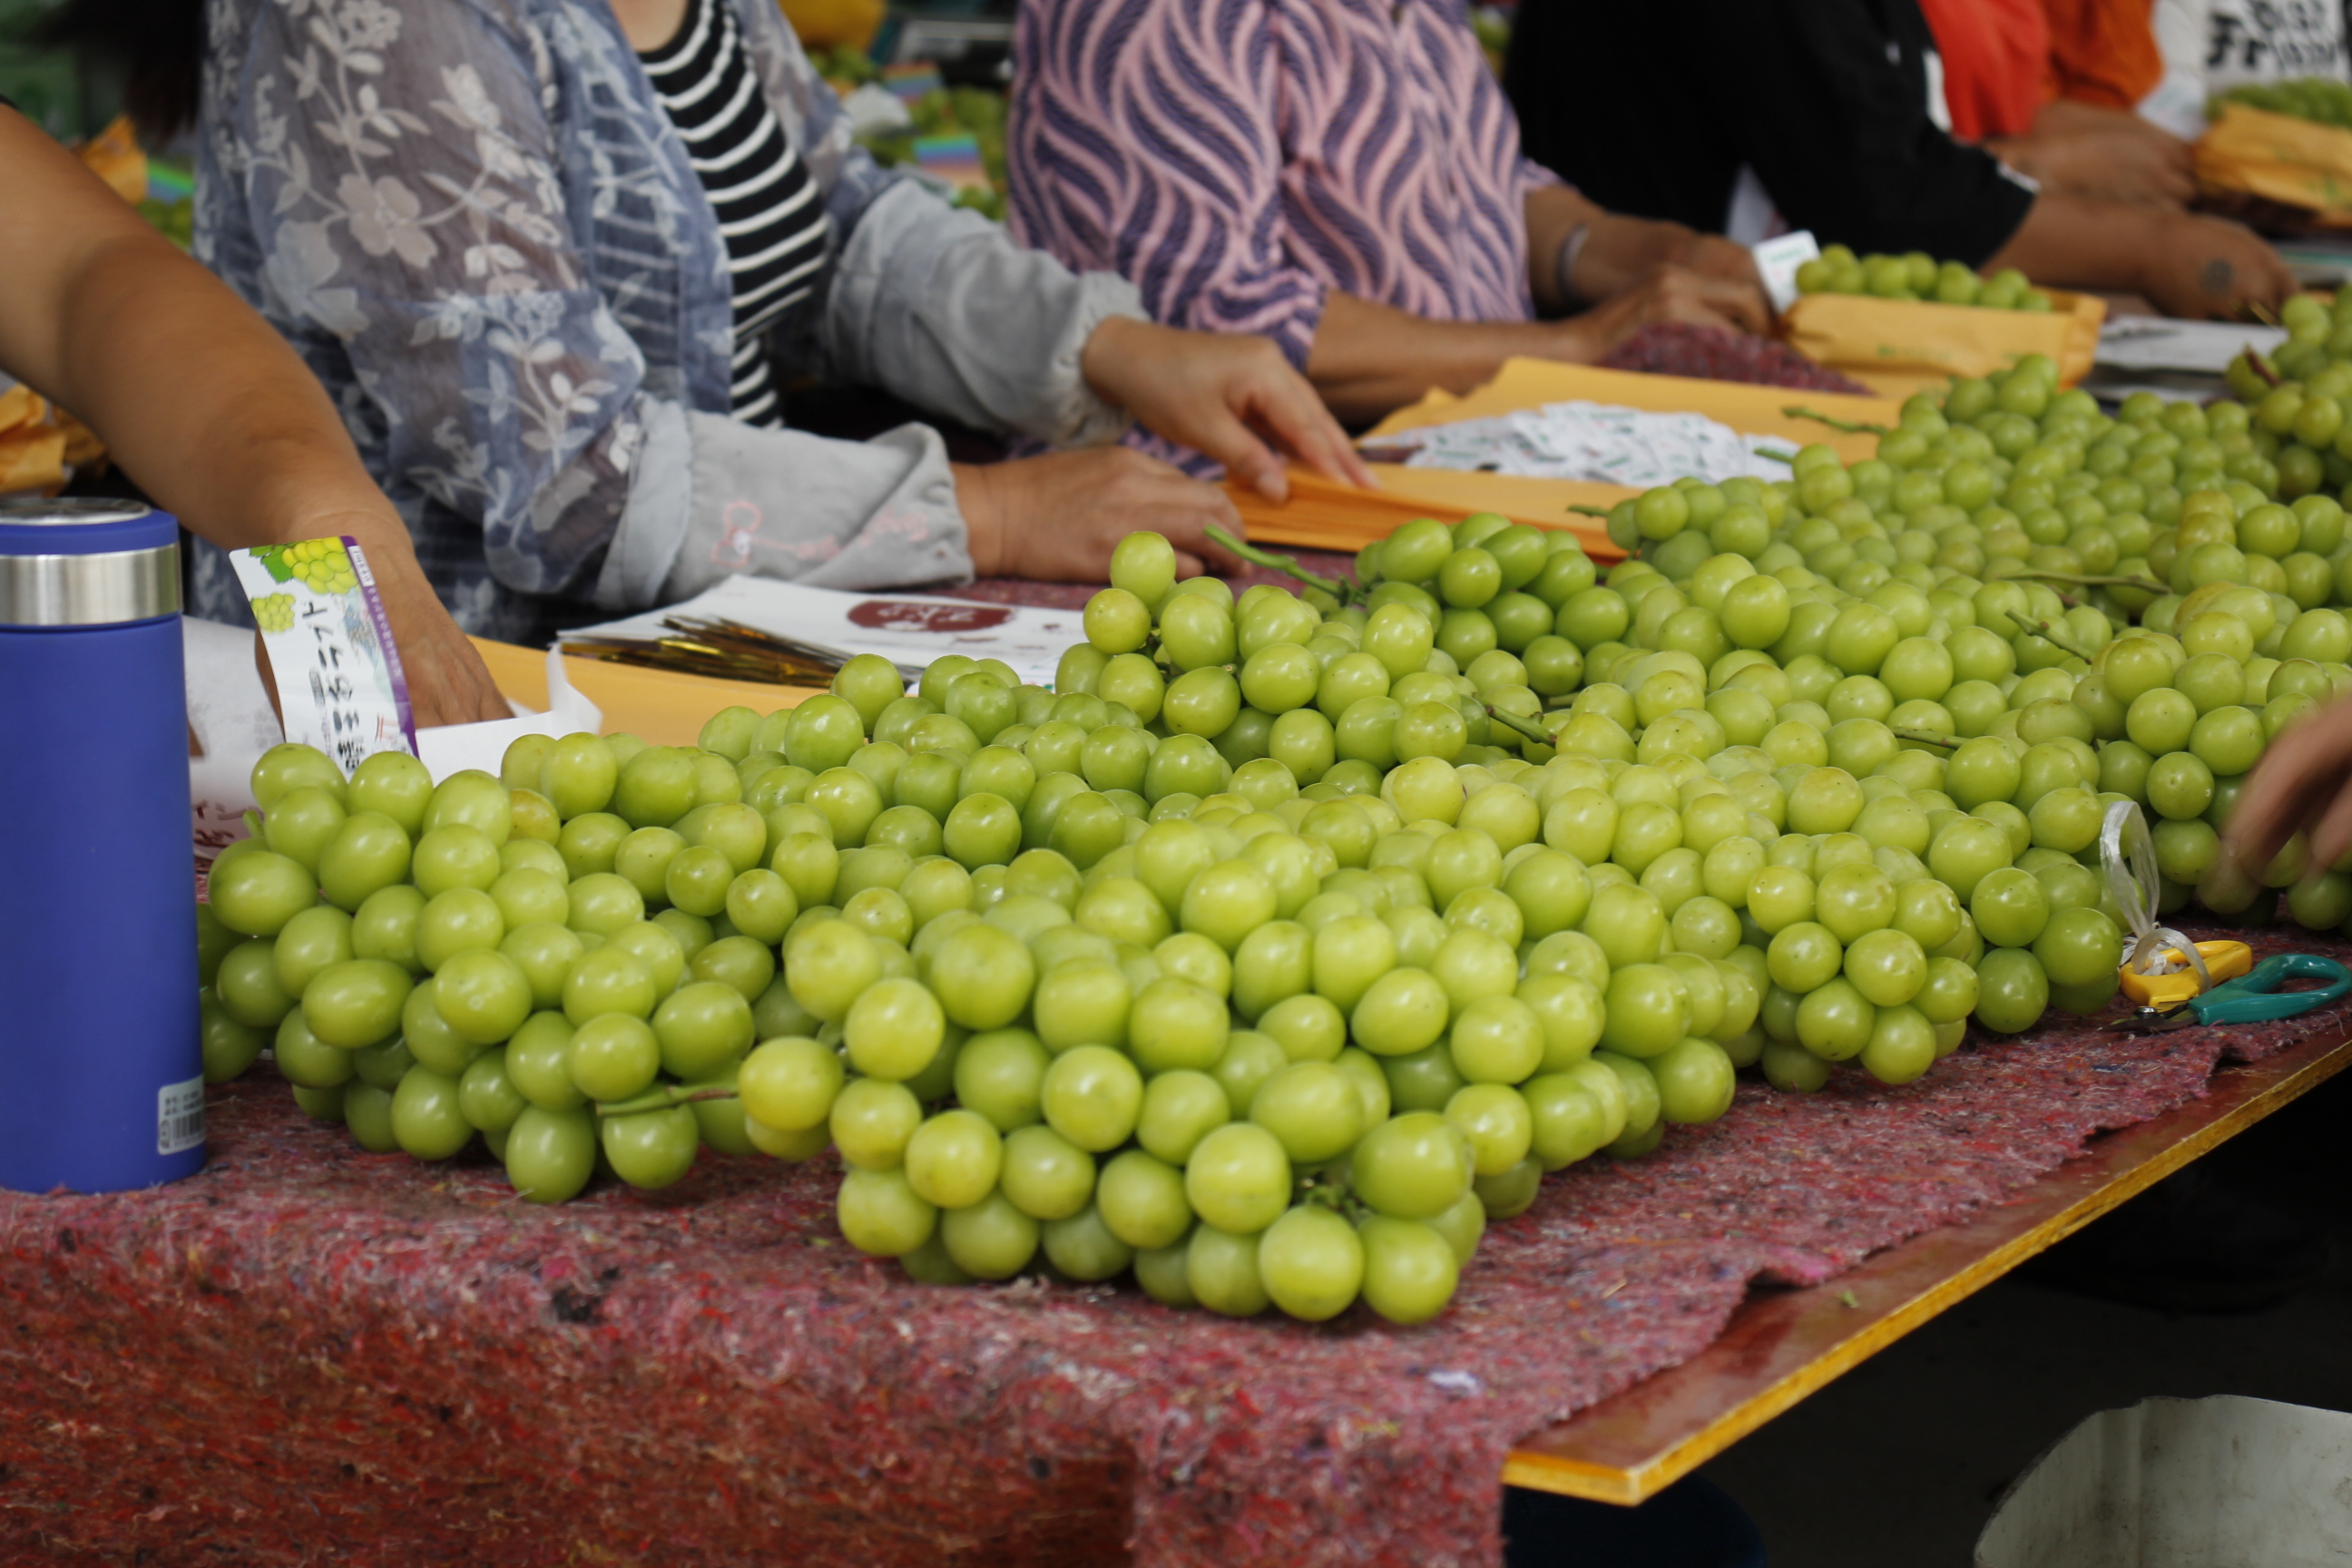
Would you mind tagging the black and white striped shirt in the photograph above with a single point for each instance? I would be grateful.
(770, 211)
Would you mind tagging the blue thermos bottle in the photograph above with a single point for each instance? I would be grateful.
(102, 1076)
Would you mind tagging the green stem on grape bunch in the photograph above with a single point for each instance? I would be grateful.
(2048, 634)
(1583, 511)
(662, 1099)
(1842, 427)
(1513, 721)
(253, 823)
(1283, 563)
(2148, 584)
(1926, 737)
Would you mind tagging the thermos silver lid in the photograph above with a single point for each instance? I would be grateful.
(86, 561)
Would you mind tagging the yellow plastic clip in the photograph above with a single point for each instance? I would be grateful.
(2223, 961)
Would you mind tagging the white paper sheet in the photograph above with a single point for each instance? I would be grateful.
(453, 748)
(1579, 440)
(2150, 342)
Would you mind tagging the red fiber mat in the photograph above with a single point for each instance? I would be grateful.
(310, 1354)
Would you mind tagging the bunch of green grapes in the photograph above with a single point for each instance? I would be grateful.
(1724, 722)
(1978, 513)
(431, 963)
(2294, 402)
(1917, 276)
(2325, 101)
(1195, 995)
(273, 612)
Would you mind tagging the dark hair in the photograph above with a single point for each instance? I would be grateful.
(159, 44)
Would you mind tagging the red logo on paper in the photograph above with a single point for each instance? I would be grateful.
(897, 616)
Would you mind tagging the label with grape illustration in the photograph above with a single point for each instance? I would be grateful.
(331, 650)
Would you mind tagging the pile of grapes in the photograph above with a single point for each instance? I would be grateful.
(1917, 276)
(1290, 938)
(2297, 400)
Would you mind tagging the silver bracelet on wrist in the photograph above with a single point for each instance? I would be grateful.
(1564, 266)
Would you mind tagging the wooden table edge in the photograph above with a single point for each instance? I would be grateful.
(1619, 1451)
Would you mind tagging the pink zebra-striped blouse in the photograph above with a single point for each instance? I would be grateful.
(1237, 159)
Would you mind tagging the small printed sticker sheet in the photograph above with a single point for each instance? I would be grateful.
(330, 649)
(1593, 441)
(907, 629)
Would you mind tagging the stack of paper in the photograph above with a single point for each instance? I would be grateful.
(1593, 441)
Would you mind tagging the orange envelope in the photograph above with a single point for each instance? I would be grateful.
(1901, 345)
(2280, 157)
(1321, 515)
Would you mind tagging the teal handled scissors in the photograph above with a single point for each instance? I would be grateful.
(2253, 998)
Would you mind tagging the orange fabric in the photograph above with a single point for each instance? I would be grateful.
(2102, 52)
(1996, 58)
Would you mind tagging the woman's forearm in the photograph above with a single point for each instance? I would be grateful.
(1370, 359)
(2189, 264)
(194, 394)
(199, 400)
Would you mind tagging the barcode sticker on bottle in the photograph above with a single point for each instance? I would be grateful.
(179, 1116)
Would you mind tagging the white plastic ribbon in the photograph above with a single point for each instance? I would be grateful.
(451, 748)
(2127, 856)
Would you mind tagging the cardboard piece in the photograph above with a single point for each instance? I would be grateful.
(659, 708)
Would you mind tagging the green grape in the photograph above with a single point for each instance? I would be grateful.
(427, 1120)
(1312, 1109)
(1311, 1263)
(2012, 990)
(551, 1153)
(1413, 1167)
(1238, 1179)
(1410, 1271)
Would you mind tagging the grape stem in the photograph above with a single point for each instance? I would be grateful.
(2149, 584)
(2262, 367)
(1513, 721)
(2048, 634)
(1842, 427)
(662, 1099)
(1925, 737)
(1583, 511)
(1282, 563)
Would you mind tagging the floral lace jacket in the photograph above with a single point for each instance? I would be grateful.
(474, 221)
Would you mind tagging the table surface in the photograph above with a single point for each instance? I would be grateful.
(1782, 1345)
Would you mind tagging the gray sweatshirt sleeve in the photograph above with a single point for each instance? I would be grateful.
(940, 306)
(713, 497)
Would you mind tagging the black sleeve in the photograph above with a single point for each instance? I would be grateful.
(1825, 99)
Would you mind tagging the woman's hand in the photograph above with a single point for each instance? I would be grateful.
(2105, 154)
(1231, 396)
(2303, 783)
(447, 682)
(1670, 293)
(1057, 518)
(2200, 267)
